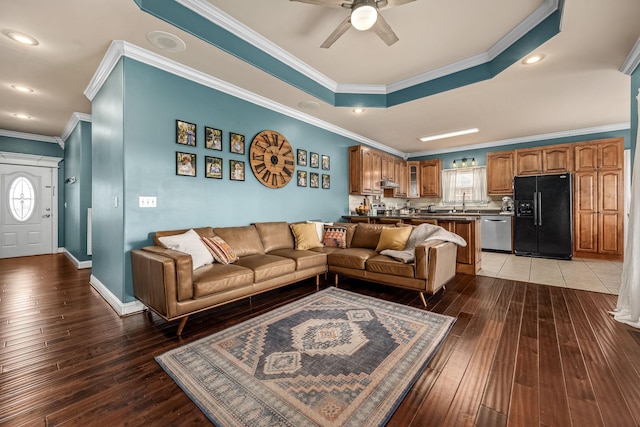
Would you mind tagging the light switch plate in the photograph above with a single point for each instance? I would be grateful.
(147, 201)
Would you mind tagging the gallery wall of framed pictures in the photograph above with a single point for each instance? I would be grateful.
(186, 163)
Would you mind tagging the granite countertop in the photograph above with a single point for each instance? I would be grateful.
(443, 216)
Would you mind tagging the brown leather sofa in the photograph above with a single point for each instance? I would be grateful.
(164, 280)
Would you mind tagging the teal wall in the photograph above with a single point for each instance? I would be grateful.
(133, 122)
(77, 154)
(107, 174)
(49, 149)
(481, 154)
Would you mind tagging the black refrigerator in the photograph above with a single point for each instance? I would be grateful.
(543, 219)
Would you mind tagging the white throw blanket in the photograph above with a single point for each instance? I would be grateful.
(421, 234)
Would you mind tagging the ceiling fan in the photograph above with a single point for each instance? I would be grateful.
(365, 14)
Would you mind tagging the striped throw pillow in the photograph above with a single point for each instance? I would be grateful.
(335, 235)
(220, 250)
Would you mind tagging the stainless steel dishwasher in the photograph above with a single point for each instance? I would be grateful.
(496, 232)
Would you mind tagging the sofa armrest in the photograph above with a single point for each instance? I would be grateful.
(159, 271)
(435, 261)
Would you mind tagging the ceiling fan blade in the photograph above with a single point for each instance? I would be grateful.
(384, 31)
(337, 33)
(385, 4)
(326, 3)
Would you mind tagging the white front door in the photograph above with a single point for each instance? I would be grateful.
(26, 213)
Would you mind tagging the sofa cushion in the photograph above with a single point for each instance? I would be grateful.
(393, 238)
(220, 249)
(275, 235)
(244, 240)
(350, 258)
(303, 259)
(335, 235)
(266, 267)
(215, 278)
(189, 243)
(366, 236)
(305, 235)
(387, 265)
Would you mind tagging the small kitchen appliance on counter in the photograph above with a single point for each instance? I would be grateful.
(378, 208)
(507, 205)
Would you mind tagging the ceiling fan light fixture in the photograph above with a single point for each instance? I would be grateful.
(363, 16)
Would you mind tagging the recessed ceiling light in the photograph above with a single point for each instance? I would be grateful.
(533, 59)
(22, 116)
(21, 37)
(22, 88)
(308, 105)
(448, 135)
(166, 41)
(358, 110)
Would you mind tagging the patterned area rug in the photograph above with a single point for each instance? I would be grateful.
(333, 358)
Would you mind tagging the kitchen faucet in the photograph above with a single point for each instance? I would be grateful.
(464, 209)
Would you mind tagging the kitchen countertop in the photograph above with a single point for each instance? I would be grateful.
(443, 216)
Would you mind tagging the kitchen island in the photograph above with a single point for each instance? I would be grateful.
(466, 225)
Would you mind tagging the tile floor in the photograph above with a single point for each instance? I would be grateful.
(583, 274)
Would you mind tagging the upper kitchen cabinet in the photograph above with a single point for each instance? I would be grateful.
(544, 160)
(365, 170)
(387, 168)
(429, 180)
(413, 175)
(500, 167)
(400, 167)
(602, 154)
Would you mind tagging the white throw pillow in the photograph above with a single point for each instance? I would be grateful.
(191, 244)
(319, 227)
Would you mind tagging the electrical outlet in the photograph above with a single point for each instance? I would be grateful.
(147, 201)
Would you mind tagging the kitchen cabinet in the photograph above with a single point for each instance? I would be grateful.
(414, 179)
(365, 170)
(468, 257)
(544, 160)
(401, 178)
(500, 168)
(388, 171)
(602, 154)
(430, 178)
(598, 214)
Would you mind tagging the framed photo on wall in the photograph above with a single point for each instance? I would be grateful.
(326, 181)
(185, 164)
(314, 180)
(326, 165)
(314, 160)
(236, 142)
(302, 157)
(213, 138)
(185, 133)
(302, 178)
(213, 167)
(236, 170)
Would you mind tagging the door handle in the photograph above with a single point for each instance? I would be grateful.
(535, 208)
(540, 208)
(46, 216)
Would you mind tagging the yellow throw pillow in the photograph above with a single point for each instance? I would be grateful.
(394, 238)
(306, 236)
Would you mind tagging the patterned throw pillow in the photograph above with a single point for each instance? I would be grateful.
(335, 235)
(220, 250)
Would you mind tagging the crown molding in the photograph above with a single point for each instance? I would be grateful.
(30, 136)
(227, 22)
(119, 48)
(633, 60)
(521, 140)
(72, 123)
(29, 159)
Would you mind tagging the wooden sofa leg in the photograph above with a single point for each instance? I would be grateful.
(422, 298)
(183, 322)
(335, 280)
(317, 282)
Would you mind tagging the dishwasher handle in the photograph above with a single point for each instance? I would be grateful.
(495, 220)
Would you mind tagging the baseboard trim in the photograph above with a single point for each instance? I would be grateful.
(123, 309)
(79, 264)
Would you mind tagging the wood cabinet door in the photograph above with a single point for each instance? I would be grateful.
(529, 162)
(430, 177)
(401, 178)
(586, 156)
(585, 202)
(500, 173)
(611, 212)
(557, 158)
(611, 154)
(388, 167)
(355, 170)
(376, 172)
(367, 171)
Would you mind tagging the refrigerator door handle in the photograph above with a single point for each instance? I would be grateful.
(535, 208)
(539, 208)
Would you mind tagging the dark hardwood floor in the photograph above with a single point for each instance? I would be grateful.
(519, 354)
